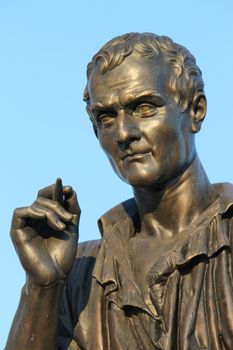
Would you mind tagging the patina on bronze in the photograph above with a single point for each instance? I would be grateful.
(161, 275)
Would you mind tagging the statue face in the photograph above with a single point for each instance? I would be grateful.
(140, 127)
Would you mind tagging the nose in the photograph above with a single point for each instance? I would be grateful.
(127, 131)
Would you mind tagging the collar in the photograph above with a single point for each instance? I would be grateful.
(204, 237)
(128, 208)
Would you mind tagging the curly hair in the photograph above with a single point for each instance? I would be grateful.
(186, 77)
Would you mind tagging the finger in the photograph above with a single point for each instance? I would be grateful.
(68, 191)
(20, 221)
(71, 202)
(56, 207)
(52, 218)
(58, 191)
(22, 214)
(46, 192)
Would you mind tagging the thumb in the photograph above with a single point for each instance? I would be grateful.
(71, 203)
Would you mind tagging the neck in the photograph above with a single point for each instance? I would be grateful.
(172, 207)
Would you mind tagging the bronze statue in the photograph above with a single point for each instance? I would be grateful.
(161, 275)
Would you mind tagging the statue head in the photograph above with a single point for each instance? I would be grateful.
(185, 80)
(145, 95)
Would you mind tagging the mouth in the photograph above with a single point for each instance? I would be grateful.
(134, 156)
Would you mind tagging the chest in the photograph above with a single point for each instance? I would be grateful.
(195, 311)
(144, 253)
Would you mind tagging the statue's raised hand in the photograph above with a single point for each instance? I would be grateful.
(45, 234)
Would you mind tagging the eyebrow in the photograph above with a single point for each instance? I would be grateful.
(98, 106)
(135, 96)
(129, 98)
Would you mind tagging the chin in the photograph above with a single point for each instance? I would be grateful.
(141, 180)
(138, 175)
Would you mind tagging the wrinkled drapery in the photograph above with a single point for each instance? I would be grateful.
(190, 287)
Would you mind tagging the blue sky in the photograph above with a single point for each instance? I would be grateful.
(44, 49)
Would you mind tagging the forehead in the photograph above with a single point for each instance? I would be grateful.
(134, 75)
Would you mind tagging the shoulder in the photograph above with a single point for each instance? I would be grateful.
(88, 248)
(87, 251)
(225, 191)
(126, 209)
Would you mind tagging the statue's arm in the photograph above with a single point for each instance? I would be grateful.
(36, 320)
(45, 237)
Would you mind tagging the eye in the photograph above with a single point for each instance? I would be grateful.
(106, 119)
(145, 110)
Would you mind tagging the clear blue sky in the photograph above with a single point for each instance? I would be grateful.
(44, 49)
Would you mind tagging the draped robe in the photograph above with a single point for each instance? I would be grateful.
(190, 287)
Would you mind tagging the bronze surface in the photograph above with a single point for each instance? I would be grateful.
(161, 275)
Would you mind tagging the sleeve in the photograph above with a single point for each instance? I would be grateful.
(65, 324)
(75, 295)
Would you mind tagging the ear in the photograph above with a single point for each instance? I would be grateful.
(92, 121)
(197, 111)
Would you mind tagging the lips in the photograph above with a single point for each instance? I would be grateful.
(134, 155)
